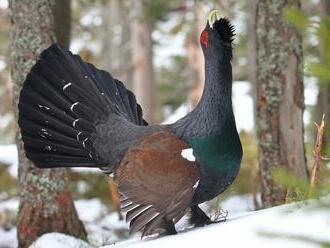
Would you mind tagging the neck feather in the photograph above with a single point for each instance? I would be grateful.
(214, 111)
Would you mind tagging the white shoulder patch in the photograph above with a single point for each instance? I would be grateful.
(188, 154)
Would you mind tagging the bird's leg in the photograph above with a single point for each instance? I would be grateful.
(169, 228)
(199, 218)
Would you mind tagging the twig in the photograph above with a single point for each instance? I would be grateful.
(318, 158)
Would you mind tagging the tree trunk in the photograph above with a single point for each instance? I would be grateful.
(251, 49)
(195, 54)
(62, 22)
(323, 97)
(143, 70)
(45, 203)
(116, 40)
(226, 7)
(280, 98)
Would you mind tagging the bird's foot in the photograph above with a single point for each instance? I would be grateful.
(199, 218)
(219, 216)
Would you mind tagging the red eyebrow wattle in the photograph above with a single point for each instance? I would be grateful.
(204, 38)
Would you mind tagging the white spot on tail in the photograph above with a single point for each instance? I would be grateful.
(48, 148)
(66, 86)
(44, 133)
(43, 107)
(196, 184)
(74, 123)
(84, 145)
(78, 136)
(188, 154)
(72, 106)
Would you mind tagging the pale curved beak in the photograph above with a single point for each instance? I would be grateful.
(213, 17)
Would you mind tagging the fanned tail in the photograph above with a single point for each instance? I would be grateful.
(61, 101)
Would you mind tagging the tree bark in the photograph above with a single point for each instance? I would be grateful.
(143, 70)
(280, 98)
(45, 203)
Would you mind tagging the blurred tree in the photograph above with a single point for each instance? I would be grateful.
(280, 98)
(251, 47)
(62, 21)
(7, 123)
(194, 52)
(45, 203)
(323, 98)
(142, 59)
(226, 7)
(116, 40)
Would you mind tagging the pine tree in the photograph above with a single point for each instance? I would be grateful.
(45, 203)
(280, 97)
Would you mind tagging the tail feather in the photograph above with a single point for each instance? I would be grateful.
(124, 99)
(36, 144)
(62, 100)
(38, 130)
(38, 100)
(51, 160)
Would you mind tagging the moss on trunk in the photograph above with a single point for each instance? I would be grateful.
(280, 97)
(45, 203)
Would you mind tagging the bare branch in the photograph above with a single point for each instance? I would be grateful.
(317, 154)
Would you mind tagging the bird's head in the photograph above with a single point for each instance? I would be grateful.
(217, 37)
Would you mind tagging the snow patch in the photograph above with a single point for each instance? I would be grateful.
(8, 238)
(291, 225)
(56, 240)
(90, 210)
(9, 155)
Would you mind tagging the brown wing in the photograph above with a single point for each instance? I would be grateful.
(156, 183)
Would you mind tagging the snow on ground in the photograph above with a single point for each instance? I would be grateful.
(59, 240)
(292, 225)
(8, 155)
(103, 228)
(238, 204)
(11, 204)
(8, 238)
(90, 210)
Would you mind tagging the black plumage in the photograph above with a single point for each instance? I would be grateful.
(72, 114)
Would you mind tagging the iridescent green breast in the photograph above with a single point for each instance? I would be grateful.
(219, 157)
(218, 152)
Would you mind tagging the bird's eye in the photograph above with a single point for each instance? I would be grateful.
(204, 38)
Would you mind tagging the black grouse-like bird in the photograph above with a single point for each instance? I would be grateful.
(72, 114)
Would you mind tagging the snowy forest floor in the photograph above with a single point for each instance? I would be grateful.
(303, 224)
